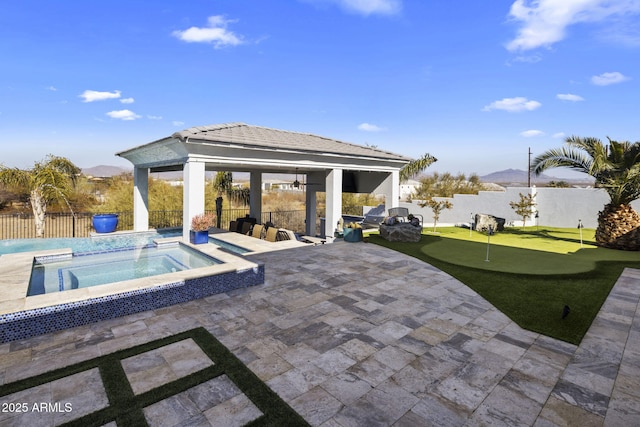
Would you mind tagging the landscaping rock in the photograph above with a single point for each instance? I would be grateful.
(404, 232)
(483, 221)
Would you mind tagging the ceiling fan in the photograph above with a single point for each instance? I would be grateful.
(298, 184)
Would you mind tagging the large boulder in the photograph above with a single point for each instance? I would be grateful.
(483, 221)
(403, 232)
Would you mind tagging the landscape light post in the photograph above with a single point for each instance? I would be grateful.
(529, 169)
(471, 224)
(489, 233)
(580, 227)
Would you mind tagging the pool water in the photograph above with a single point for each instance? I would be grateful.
(230, 247)
(84, 270)
(86, 244)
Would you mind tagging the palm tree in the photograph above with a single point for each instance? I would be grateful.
(50, 180)
(223, 183)
(616, 169)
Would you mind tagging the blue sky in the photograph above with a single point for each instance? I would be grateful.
(474, 83)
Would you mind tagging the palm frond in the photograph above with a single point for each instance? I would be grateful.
(616, 166)
(414, 167)
(566, 156)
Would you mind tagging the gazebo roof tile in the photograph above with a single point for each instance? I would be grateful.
(258, 136)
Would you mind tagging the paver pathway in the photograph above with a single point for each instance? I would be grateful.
(353, 334)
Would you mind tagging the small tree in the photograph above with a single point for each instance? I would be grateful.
(49, 180)
(436, 208)
(525, 207)
(446, 185)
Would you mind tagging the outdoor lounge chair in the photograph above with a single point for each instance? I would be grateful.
(284, 234)
(257, 231)
(272, 234)
(374, 217)
(246, 227)
(403, 215)
(240, 222)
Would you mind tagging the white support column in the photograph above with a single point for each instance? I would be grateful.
(193, 196)
(140, 199)
(333, 203)
(391, 190)
(255, 195)
(311, 210)
(310, 228)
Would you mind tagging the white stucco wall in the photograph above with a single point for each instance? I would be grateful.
(557, 207)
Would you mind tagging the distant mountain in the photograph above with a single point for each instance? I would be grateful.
(518, 176)
(508, 176)
(104, 171)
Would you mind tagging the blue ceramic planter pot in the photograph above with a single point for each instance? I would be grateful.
(198, 237)
(105, 223)
(353, 235)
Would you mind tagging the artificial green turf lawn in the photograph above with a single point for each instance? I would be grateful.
(523, 251)
(535, 284)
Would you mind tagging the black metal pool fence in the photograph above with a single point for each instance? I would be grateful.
(22, 225)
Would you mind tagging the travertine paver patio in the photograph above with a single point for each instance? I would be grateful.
(168, 363)
(358, 335)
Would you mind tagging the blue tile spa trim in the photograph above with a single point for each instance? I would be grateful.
(30, 323)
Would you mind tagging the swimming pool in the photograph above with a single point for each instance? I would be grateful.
(99, 268)
(86, 244)
(26, 312)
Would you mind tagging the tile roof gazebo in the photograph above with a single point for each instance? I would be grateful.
(332, 166)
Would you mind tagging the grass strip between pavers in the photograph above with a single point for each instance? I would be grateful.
(126, 409)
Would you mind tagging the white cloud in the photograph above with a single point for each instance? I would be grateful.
(606, 79)
(215, 32)
(529, 59)
(531, 133)
(370, 128)
(513, 105)
(364, 7)
(558, 135)
(123, 115)
(93, 95)
(544, 22)
(177, 123)
(154, 117)
(52, 88)
(127, 100)
(372, 7)
(569, 97)
(624, 32)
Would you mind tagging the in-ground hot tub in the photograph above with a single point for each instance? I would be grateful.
(85, 270)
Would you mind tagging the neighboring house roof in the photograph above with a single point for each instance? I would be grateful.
(410, 182)
(261, 137)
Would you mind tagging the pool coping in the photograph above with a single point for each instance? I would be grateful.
(23, 317)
